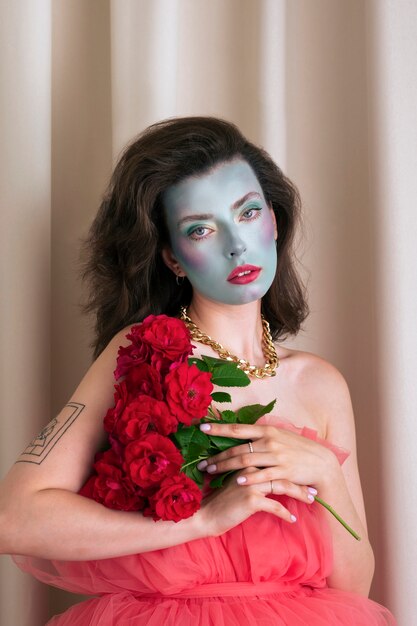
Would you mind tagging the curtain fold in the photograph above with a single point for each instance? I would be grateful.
(392, 102)
(329, 89)
(25, 199)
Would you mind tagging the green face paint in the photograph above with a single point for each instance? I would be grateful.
(223, 233)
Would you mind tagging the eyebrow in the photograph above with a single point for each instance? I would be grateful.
(207, 216)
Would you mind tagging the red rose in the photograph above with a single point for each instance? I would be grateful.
(149, 460)
(159, 340)
(130, 356)
(121, 398)
(161, 362)
(144, 379)
(117, 493)
(167, 335)
(177, 498)
(111, 486)
(117, 447)
(106, 458)
(188, 392)
(142, 415)
(141, 379)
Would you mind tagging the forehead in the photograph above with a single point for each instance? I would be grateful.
(219, 188)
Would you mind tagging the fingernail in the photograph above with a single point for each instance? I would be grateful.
(205, 427)
(202, 465)
(310, 497)
(241, 480)
(212, 468)
(312, 490)
(293, 518)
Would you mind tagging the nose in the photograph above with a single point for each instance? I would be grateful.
(235, 247)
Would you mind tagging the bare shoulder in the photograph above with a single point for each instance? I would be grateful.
(119, 339)
(106, 361)
(316, 374)
(323, 389)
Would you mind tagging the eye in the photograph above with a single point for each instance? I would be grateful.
(252, 213)
(198, 233)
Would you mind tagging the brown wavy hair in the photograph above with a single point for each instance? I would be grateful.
(121, 256)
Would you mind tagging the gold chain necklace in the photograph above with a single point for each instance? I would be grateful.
(270, 354)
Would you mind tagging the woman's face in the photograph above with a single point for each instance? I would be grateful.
(222, 234)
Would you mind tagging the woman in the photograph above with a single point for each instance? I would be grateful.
(197, 216)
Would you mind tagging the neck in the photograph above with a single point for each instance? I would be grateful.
(238, 328)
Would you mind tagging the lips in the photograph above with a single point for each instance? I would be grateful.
(244, 274)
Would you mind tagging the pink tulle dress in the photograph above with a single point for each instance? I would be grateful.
(264, 571)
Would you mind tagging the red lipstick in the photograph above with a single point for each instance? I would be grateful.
(244, 274)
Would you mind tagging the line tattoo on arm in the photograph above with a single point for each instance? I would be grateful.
(39, 448)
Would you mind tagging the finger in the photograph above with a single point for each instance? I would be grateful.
(231, 480)
(281, 486)
(286, 487)
(245, 472)
(227, 454)
(276, 508)
(247, 459)
(239, 431)
(271, 472)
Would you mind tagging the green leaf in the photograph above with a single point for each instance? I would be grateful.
(229, 417)
(183, 436)
(203, 367)
(249, 414)
(224, 443)
(218, 480)
(192, 472)
(194, 451)
(221, 396)
(187, 436)
(197, 476)
(211, 361)
(200, 438)
(228, 375)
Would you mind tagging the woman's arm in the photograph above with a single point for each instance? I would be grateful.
(354, 562)
(41, 513)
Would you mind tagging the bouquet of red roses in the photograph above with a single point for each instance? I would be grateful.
(154, 440)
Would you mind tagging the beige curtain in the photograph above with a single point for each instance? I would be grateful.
(329, 88)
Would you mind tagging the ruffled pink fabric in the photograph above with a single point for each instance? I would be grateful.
(264, 571)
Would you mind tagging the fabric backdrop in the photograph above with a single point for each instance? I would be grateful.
(329, 88)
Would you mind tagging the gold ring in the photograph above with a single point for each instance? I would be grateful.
(272, 489)
(250, 446)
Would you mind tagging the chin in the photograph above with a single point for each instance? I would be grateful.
(249, 296)
(252, 293)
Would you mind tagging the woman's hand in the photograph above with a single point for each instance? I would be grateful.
(283, 454)
(229, 506)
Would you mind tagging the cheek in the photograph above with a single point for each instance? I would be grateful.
(191, 257)
(267, 234)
